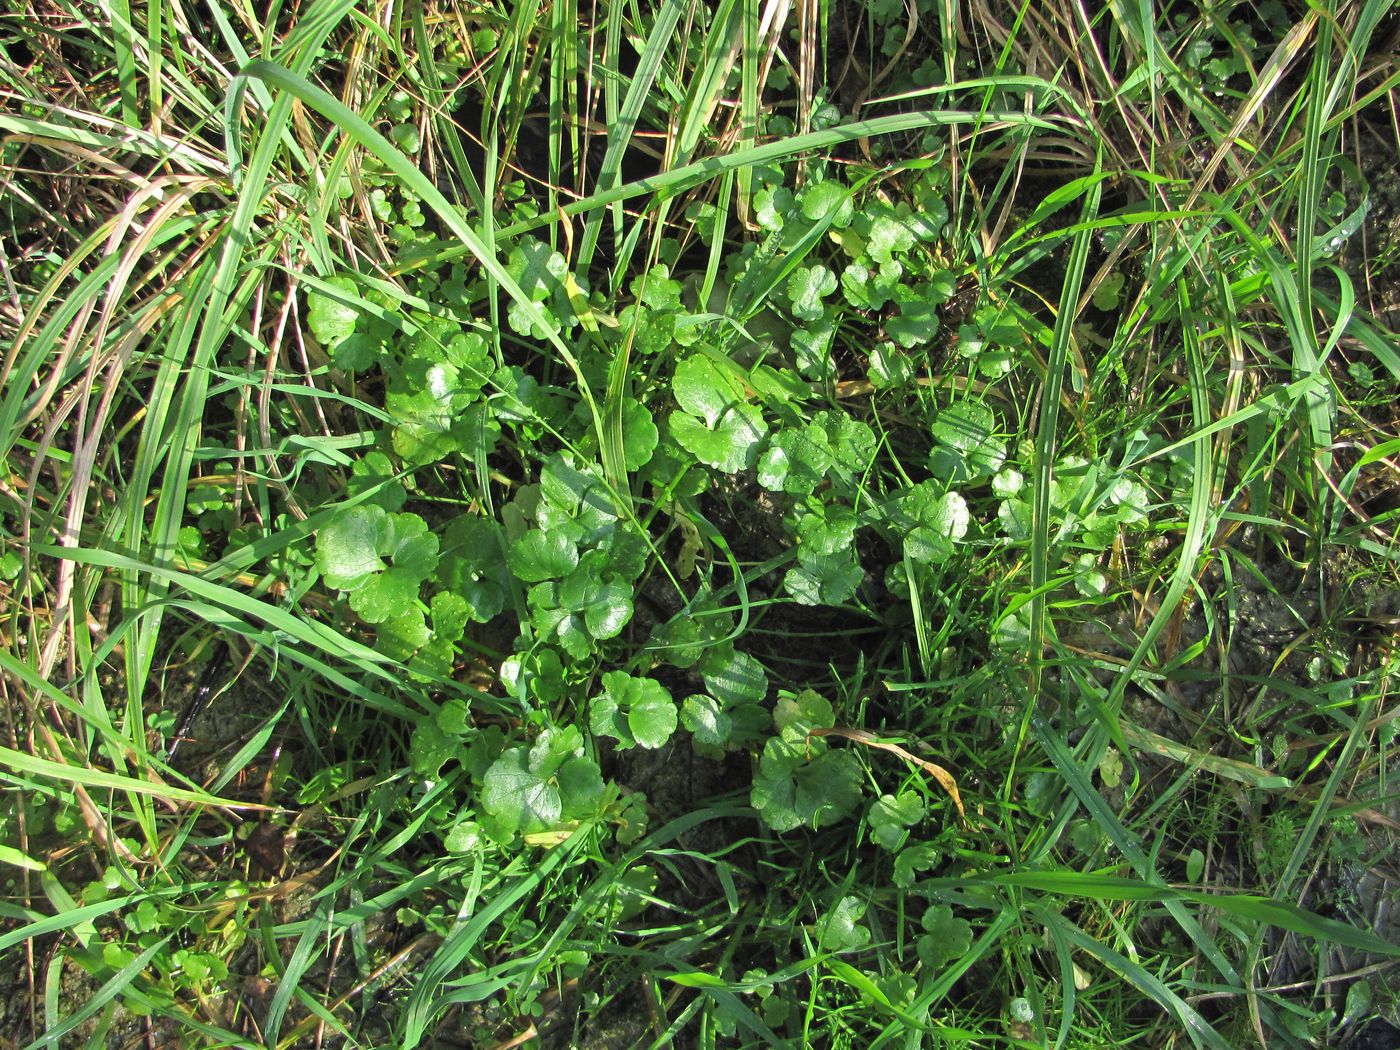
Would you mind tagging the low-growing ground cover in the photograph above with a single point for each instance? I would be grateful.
(722, 525)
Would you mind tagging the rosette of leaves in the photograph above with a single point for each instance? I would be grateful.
(801, 781)
(933, 522)
(633, 711)
(472, 567)
(887, 265)
(381, 559)
(945, 938)
(967, 446)
(1081, 498)
(582, 607)
(534, 788)
(434, 394)
(799, 458)
(540, 271)
(775, 271)
(581, 559)
(729, 713)
(715, 423)
(345, 326)
(827, 571)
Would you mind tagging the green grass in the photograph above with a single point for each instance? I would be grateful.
(874, 528)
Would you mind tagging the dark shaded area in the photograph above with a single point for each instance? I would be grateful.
(1378, 1035)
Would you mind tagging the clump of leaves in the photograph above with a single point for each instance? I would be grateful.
(532, 788)
(946, 937)
(715, 422)
(633, 711)
(587, 606)
(801, 781)
(434, 394)
(380, 558)
(729, 713)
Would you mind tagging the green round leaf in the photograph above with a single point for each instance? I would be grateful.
(947, 937)
(707, 722)
(715, 424)
(967, 445)
(796, 460)
(828, 200)
(887, 237)
(348, 547)
(814, 794)
(429, 749)
(538, 556)
(519, 795)
(891, 815)
(911, 860)
(607, 610)
(807, 287)
(463, 838)
(733, 678)
(639, 434)
(939, 522)
(731, 445)
(841, 929)
(332, 319)
(633, 711)
(824, 579)
(352, 551)
(890, 367)
(653, 719)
